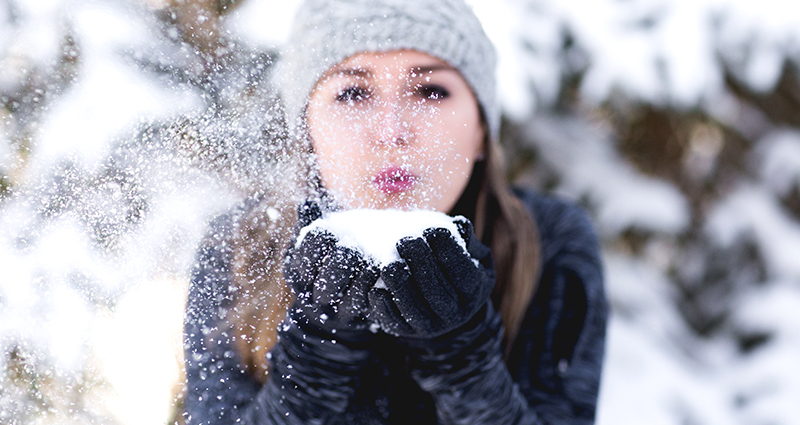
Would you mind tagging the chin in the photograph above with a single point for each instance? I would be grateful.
(379, 200)
(396, 202)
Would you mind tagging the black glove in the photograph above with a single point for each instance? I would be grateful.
(436, 287)
(438, 301)
(324, 341)
(330, 281)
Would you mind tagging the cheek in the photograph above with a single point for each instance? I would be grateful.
(457, 146)
(337, 161)
(451, 166)
(329, 137)
(467, 145)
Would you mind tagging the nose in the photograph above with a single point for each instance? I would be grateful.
(393, 121)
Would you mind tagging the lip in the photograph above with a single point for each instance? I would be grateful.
(393, 180)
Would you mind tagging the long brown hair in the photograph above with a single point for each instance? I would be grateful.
(263, 232)
(505, 225)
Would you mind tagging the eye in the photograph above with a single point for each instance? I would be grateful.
(433, 92)
(352, 94)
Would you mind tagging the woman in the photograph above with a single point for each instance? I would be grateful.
(391, 104)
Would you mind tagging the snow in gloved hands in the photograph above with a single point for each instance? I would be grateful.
(382, 236)
(375, 233)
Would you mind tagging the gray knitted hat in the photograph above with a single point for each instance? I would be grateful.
(326, 32)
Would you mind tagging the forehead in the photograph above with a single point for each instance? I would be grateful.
(400, 61)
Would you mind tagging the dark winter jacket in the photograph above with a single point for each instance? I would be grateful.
(551, 377)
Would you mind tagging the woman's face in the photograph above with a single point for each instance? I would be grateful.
(395, 130)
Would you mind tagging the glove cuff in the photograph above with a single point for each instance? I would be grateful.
(483, 328)
(456, 357)
(312, 373)
(313, 334)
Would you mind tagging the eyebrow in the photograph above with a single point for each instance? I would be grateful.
(418, 70)
(354, 72)
(414, 71)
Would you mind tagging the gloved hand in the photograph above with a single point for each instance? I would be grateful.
(436, 287)
(437, 300)
(324, 341)
(330, 281)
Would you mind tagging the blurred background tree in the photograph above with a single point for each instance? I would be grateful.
(127, 125)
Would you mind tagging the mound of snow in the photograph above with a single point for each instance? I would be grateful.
(376, 232)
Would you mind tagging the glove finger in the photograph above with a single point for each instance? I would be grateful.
(356, 301)
(407, 296)
(307, 212)
(437, 292)
(476, 249)
(337, 269)
(302, 265)
(464, 228)
(456, 265)
(384, 311)
(316, 244)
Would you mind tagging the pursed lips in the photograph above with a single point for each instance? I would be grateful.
(393, 180)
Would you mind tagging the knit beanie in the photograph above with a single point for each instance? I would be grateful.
(326, 32)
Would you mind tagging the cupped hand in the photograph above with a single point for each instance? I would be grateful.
(436, 287)
(330, 281)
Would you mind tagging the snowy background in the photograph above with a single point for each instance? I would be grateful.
(126, 125)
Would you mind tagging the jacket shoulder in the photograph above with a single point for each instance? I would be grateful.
(209, 287)
(563, 226)
(558, 353)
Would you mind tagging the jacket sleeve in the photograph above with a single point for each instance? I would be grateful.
(558, 354)
(217, 388)
(311, 379)
(552, 376)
